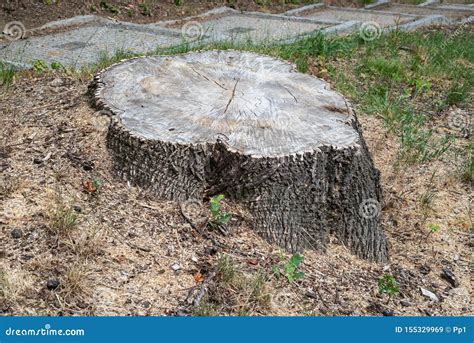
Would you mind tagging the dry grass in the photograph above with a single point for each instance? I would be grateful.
(74, 284)
(14, 286)
(63, 219)
(235, 291)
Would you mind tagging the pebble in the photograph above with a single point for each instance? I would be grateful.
(405, 303)
(175, 267)
(429, 294)
(77, 208)
(171, 249)
(210, 251)
(449, 276)
(16, 233)
(388, 312)
(57, 82)
(425, 269)
(82, 305)
(52, 284)
(88, 165)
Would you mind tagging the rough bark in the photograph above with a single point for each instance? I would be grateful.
(251, 127)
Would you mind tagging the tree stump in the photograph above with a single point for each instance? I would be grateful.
(253, 128)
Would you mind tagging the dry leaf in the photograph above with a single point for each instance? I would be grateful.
(89, 186)
(120, 259)
(252, 261)
(198, 277)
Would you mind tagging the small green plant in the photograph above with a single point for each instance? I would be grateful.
(145, 9)
(290, 268)
(109, 7)
(388, 285)
(97, 184)
(218, 217)
(432, 229)
(421, 86)
(56, 66)
(178, 2)
(40, 66)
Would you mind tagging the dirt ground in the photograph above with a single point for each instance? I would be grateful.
(119, 251)
(34, 13)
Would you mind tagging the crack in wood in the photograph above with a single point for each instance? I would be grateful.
(294, 97)
(232, 96)
(208, 79)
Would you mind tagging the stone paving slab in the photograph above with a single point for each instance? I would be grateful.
(74, 21)
(251, 27)
(82, 46)
(376, 4)
(344, 14)
(456, 14)
(460, 7)
(421, 22)
(85, 38)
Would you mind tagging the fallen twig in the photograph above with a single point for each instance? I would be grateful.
(190, 222)
(203, 289)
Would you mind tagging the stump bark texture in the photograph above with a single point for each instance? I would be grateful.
(253, 128)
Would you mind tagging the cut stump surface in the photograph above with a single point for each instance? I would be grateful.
(249, 126)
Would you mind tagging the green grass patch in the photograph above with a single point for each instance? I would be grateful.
(7, 74)
(404, 78)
